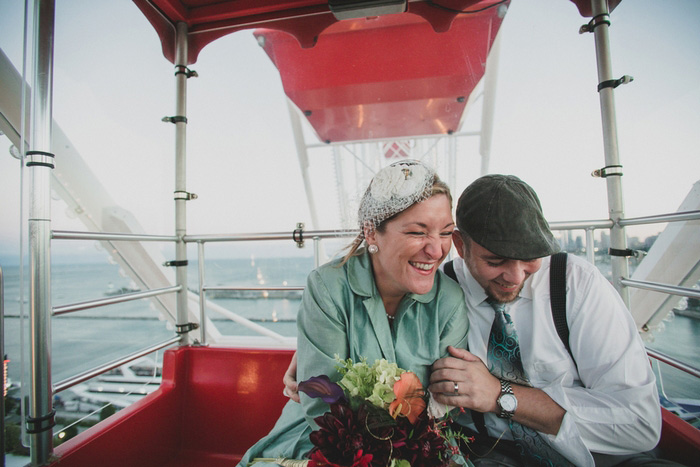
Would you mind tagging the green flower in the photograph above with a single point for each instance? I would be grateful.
(400, 463)
(358, 378)
(373, 384)
(387, 373)
(382, 395)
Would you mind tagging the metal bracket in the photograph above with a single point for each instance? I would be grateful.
(168, 264)
(176, 119)
(183, 70)
(639, 254)
(298, 235)
(608, 171)
(40, 158)
(185, 195)
(41, 424)
(625, 253)
(613, 83)
(185, 328)
(596, 21)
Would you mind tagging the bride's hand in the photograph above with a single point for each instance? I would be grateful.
(290, 380)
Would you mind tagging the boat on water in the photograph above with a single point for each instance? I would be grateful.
(382, 80)
(119, 388)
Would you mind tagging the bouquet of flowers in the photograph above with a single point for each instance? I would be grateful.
(378, 417)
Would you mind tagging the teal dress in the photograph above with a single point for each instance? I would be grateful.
(343, 314)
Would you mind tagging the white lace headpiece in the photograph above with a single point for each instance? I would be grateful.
(394, 189)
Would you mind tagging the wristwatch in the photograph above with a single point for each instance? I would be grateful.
(507, 403)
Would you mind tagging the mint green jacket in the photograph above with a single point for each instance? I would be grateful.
(343, 314)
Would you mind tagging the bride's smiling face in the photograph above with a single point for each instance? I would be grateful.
(411, 247)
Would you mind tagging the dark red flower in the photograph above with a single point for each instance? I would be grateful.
(342, 433)
(319, 460)
(420, 444)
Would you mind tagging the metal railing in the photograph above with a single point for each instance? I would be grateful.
(305, 235)
(667, 359)
(60, 310)
(663, 288)
(107, 236)
(98, 370)
(299, 236)
(73, 307)
(661, 218)
(590, 228)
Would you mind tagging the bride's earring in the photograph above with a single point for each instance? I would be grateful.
(372, 249)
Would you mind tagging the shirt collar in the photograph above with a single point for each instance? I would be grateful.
(475, 293)
(362, 283)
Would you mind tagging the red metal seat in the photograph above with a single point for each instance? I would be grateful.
(212, 405)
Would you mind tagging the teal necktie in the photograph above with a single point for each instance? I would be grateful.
(505, 363)
(504, 350)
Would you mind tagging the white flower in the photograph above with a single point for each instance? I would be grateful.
(399, 181)
(436, 409)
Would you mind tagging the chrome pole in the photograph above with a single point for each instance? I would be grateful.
(590, 246)
(317, 252)
(181, 197)
(452, 165)
(303, 156)
(2, 354)
(488, 106)
(202, 296)
(618, 238)
(342, 191)
(40, 162)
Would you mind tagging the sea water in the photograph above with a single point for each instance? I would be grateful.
(89, 338)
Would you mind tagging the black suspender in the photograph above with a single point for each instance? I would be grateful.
(557, 293)
(449, 269)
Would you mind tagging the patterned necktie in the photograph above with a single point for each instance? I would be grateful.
(504, 350)
(505, 363)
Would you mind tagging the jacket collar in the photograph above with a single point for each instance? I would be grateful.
(362, 282)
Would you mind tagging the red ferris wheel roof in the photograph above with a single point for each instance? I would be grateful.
(207, 20)
(389, 76)
(398, 78)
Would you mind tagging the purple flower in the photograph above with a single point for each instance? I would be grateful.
(323, 387)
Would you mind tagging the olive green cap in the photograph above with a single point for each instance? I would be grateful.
(503, 214)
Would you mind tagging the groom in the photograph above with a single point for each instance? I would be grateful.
(540, 404)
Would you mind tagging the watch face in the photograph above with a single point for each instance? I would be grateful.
(508, 402)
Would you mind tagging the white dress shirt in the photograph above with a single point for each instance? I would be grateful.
(611, 400)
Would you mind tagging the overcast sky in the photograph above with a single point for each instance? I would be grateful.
(112, 87)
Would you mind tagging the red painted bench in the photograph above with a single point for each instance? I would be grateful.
(214, 403)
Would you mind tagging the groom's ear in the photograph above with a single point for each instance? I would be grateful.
(458, 243)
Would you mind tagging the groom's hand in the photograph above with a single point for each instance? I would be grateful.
(463, 380)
